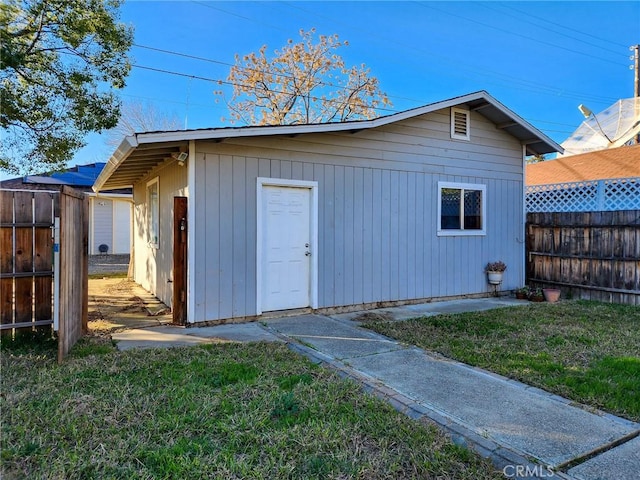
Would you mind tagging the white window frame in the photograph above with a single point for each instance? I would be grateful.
(150, 213)
(455, 135)
(446, 232)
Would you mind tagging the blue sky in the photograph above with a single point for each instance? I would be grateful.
(541, 59)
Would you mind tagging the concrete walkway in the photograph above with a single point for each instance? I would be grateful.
(525, 431)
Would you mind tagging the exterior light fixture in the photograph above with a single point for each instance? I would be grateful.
(180, 157)
(586, 112)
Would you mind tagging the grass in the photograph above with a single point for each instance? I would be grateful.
(217, 411)
(586, 351)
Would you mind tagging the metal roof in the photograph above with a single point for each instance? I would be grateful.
(140, 153)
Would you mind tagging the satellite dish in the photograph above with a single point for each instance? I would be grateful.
(614, 126)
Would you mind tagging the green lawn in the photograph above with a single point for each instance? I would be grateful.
(217, 411)
(586, 351)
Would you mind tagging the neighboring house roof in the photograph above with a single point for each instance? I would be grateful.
(621, 162)
(140, 153)
(80, 177)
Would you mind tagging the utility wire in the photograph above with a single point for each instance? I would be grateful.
(502, 30)
(517, 17)
(525, 84)
(565, 27)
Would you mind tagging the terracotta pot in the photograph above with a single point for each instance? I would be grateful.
(536, 298)
(551, 294)
(521, 296)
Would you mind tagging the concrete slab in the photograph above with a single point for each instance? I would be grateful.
(406, 312)
(534, 424)
(334, 338)
(464, 305)
(621, 463)
(173, 336)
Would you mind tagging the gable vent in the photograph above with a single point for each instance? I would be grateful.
(460, 124)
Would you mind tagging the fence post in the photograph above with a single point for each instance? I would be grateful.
(56, 273)
(600, 196)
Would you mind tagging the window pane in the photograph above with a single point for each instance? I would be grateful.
(152, 191)
(472, 210)
(450, 209)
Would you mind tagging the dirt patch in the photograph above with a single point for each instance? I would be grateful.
(374, 317)
(117, 304)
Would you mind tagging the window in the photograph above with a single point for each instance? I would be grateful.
(153, 213)
(461, 209)
(460, 124)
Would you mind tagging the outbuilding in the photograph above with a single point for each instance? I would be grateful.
(234, 223)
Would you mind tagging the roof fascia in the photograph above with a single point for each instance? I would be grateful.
(125, 148)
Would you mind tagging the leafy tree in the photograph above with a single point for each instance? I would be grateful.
(59, 61)
(140, 117)
(305, 82)
(536, 158)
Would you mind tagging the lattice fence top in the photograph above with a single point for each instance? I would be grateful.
(588, 196)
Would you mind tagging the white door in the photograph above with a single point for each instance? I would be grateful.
(286, 247)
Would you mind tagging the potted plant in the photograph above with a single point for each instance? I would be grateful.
(522, 293)
(495, 270)
(551, 294)
(536, 295)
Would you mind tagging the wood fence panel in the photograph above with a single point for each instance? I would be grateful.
(24, 285)
(74, 242)
(6, 259)
(592, 255)
(26, 260)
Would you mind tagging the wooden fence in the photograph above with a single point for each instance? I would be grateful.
(27, 220)
(589, 255)
(74, 265)
(26, 259)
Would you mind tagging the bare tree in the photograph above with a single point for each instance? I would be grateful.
(140, 117)
(305, 82)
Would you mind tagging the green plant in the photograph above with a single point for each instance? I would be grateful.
(535, 292)
(524, 290)
(498, 266)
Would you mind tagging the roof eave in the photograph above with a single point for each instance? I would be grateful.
(123, 151)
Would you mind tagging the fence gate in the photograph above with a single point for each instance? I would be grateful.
(74, 266)
(26, 263)
(27, 220)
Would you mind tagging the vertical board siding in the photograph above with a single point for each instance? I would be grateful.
(153, 267)
(102, 225)
(377, 214)
(121, 226)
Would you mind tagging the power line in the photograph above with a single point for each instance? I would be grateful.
(556, 32)
(502, 30)
(226, 82)
(524, 84)
(566, 28)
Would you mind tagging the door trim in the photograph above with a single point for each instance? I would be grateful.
(180, 295)
(280, 182)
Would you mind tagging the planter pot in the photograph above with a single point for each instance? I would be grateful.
(521, 296)
(494, 278)
(551, 294)
(536, 298)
